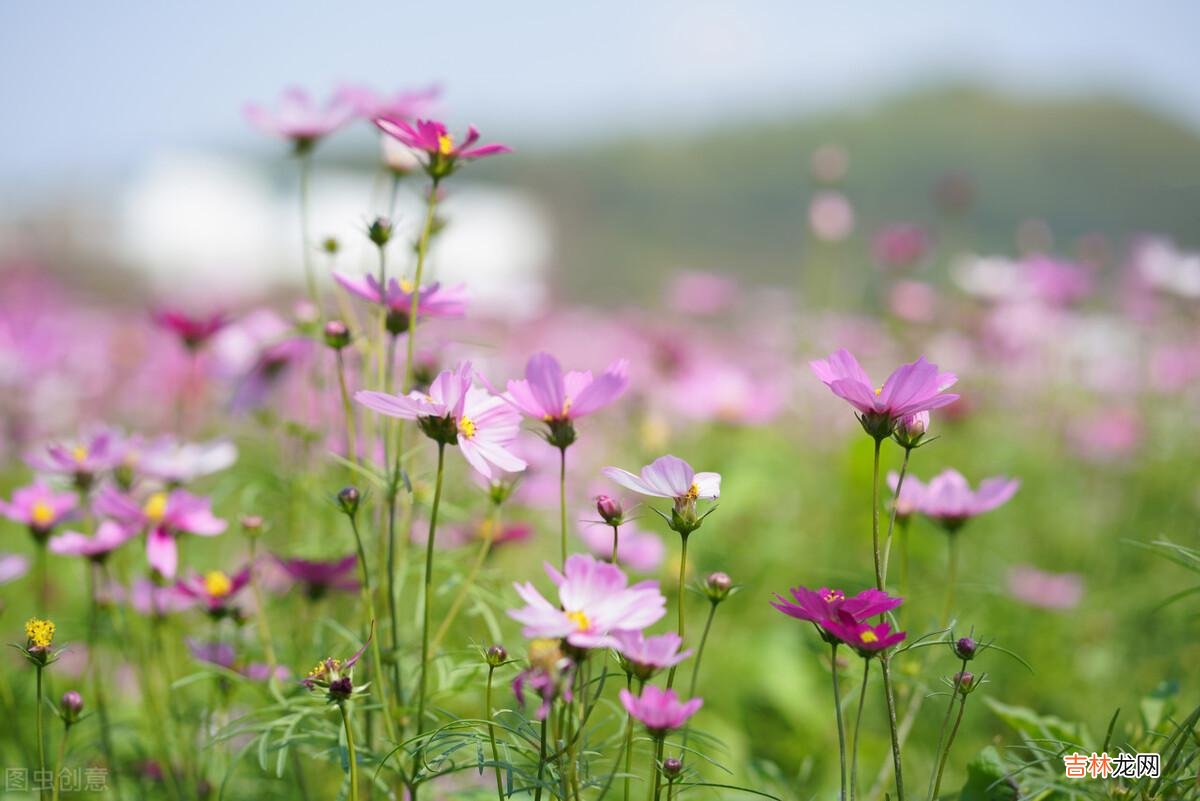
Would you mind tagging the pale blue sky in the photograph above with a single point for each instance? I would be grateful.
(91, 88)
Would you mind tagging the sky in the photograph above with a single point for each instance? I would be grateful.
(94, 88)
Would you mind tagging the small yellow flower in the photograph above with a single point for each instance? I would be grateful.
(39, 633)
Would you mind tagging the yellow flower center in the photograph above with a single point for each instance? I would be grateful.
(156, 507)
(445, 144)
(868, 636)
(580, 620)
(217, 584)
(466, 427)
(693, 493)
(878, 390)
(834, 595)
(79, 453)
(407, 286)
(40, 633)
(42, 514)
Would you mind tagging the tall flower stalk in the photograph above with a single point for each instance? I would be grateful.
(423, 688)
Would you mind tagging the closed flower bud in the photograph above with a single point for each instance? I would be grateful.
(609, 509)
(496, 656)
(672, 767)
(396, 322)
(965, 648)
(911, 430)
(380, 231)
(717, 586)
(252, 524)
(330, 245)
(337, 335)
(348, 500)
(964, 682)
(341, 688)
(71, 705)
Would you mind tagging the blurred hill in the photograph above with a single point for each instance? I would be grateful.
(736, 198)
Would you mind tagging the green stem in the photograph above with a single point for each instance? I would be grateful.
(655, 756)
(310, 277)
(422, 252)
(616, 539)
(628, 739)
(537, 792)
(351, 756)
(62, 750)
(487, 708)
(347, 410)
(368, 594)
(837, 711)
(98, 691)
(942, 731)
(43, 581)
(887, 541)
(562, 505)
(862, 702)
(875, 517)
(887, 683)
(890, 698)
(433, 516)
(962, 706)
(683, 538)
(489, 536)
(41, 743)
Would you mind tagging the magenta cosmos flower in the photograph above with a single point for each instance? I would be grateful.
(39, 507)
(865, 639)
(442, 155)
(433, 301)
(912, 388)
(595, 604)
(558, 399)
(163, 516)
(215, 590)
(660, 711)
(949, 499)
(224, 655)
(671, 477)
(645, 656)
(109, 536)
(193, 330)
(319, 578)
(824, 605)
(300, 119)
(456, 413)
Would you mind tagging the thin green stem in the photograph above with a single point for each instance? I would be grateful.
(368, 594)
(837, 711)
(862, 702)
(887, 540)
(884, 667)
(951, 576)
(347, 410)
(890, 698)
(351, 756)
(41, 742)
(433, 516)
(58, 763)
(942, 731)
(628, 739)
(683, 538)
(562, 505)
(541, 770)
(655, 761)
(616, 527)
(487, 708)
(97, 683)
(875, 517)
(962, 706)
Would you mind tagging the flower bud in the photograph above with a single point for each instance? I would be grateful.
(348, 500)
(330, 245)
(911, 430)
(964, 681)
(965, 648)
(341, 688)
(337, 335)
(380, 231)
(672, 767)
(252, 525)
(397, 321)
(71, 705)
(609, 509)
(496, 656)
(717, 586)
(39, 637)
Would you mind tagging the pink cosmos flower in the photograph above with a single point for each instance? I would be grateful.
(660, 711)
(433, 301)
(430, 137)
(83, 459)
(864, 638)
(901, 245)
(320, 577)
(548, 394)
(454, 412)
(912, 493)
(215, 590)
(949, 499)
(405, 104)
(301, 119)
(1057, 591)
(648, 655)
(150, 599)
(193, 330)
(39, 507)
(175, 462)
(595, 603)
(637, 550)
(671, 477)
(12, 567)
(109, 536)
(164, 516)
(825, 605)
(912, 388)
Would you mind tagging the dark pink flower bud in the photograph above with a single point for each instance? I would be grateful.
(718, 586)
(672, 767)
(71, 705)
(609, 509)
(348, 500)
(964, 682)
(337, 335)
(965, 648)
(496, 656)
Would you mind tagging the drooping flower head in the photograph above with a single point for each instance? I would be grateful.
(300, 119)
(949, 499)
(109, 536)
(595, 604)
(660, 711)
(216, 590)
(558, 399)
(912, 388)
(433, 301)
(39, 507)
(827, 608)
(866, 639)
(549, 676)
(431, 138)
(193, 330)
(163, 515)
(644, 656)
(671, 477)
(319, 578)
(335, 677)
(454, 412)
